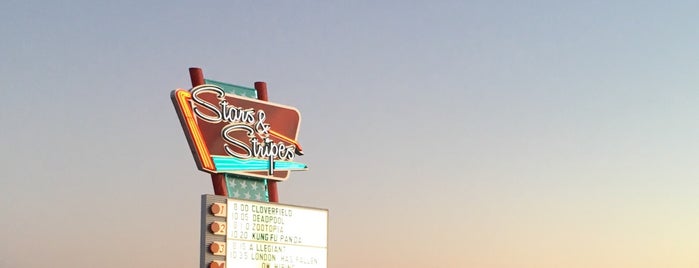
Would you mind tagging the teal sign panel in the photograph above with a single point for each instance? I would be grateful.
(234, 89)
(239, 186)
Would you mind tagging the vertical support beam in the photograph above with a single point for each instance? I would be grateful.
(261, 88)
(218, 180)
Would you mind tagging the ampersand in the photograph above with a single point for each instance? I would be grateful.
(261, 127)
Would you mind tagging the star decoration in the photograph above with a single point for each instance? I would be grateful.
(254, 185)
(246, 188)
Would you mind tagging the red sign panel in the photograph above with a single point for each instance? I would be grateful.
(233, 134)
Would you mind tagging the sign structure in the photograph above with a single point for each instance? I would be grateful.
(239, 135)
(246, 234)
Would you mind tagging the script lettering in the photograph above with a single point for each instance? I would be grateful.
(227, 130)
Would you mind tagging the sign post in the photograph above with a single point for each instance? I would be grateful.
(218, 180)
(261, 88)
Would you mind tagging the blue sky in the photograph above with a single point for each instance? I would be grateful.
(450, 134)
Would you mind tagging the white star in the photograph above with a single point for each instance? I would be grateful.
(247, 195)
(236, 194)
(254, 185)
(243, 184)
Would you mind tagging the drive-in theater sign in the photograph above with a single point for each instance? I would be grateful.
(234, 134)
(248, 145)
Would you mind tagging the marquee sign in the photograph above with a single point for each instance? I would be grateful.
(246, 234)
(233, 134)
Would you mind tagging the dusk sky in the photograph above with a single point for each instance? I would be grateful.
(492, 134)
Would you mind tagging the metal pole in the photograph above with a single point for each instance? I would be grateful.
(261, 88)
(218, 180)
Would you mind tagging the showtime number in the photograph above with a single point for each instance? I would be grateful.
(241, 218)
(241, 207)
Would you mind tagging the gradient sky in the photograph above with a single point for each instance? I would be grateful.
(491, 134)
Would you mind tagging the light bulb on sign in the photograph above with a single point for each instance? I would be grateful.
(217, 264)
(218, 228)
(218, 248)
(218, 209)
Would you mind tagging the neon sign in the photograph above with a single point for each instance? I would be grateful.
(233, 134)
